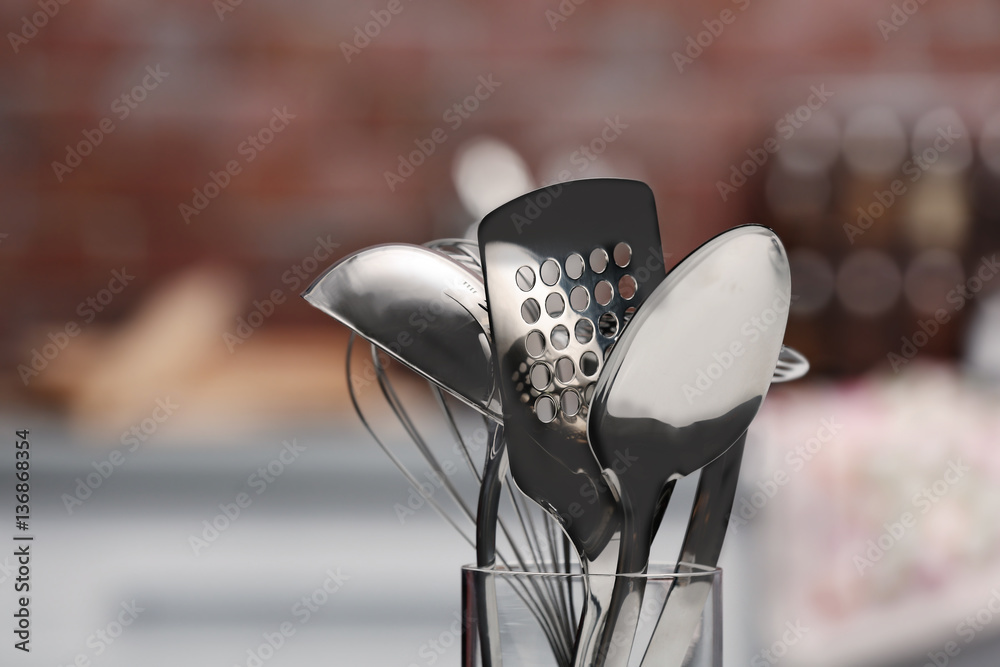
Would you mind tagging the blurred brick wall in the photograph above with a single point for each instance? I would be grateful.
(323, 174)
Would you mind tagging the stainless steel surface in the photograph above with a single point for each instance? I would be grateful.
(706, 532)
(363, 292)
(702, 545)
(683, 383)
(416, 304)
(384, 324)
(559, 294)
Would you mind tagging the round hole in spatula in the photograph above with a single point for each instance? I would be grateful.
(570, 402)
(525, 278)
(598, 260)
(534, 343)
(540, 376)
(545, 409)
(560, 337)
(603, 292)
(589, 364)
(579, 298)
(608, 324)
(584, 331)
(530, 311)
(575, 266)
(565, 370)
(627, 287)
(623, 254)
(550, 272)
(554, 304)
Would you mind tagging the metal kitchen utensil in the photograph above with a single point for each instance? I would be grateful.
(706, 532)
(553, 611)
(682, 384)
(423, 319)
(565, 267)
(541, 543)
(408, 300)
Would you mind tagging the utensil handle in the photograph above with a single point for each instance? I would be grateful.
(702, 545)
(619, 604)
(487, 512)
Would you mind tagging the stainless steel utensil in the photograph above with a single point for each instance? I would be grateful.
(408, 300)
(363, 291)
(426, 308)
(565, 268)
(682, 384)
(706, 532)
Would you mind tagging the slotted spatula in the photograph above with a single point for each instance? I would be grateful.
(565, 268)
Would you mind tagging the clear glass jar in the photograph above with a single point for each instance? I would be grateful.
(530, 619)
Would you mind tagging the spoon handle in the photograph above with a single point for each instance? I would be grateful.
(598, 594)
(702, 546)
(611, 616)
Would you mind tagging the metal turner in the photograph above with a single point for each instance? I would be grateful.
(560, 287)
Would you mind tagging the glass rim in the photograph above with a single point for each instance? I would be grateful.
(658, 571)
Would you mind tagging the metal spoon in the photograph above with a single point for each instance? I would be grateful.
(682, 384)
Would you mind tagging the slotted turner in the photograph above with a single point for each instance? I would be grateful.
(565, 267)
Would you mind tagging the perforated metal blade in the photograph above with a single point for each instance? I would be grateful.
(565, 266)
